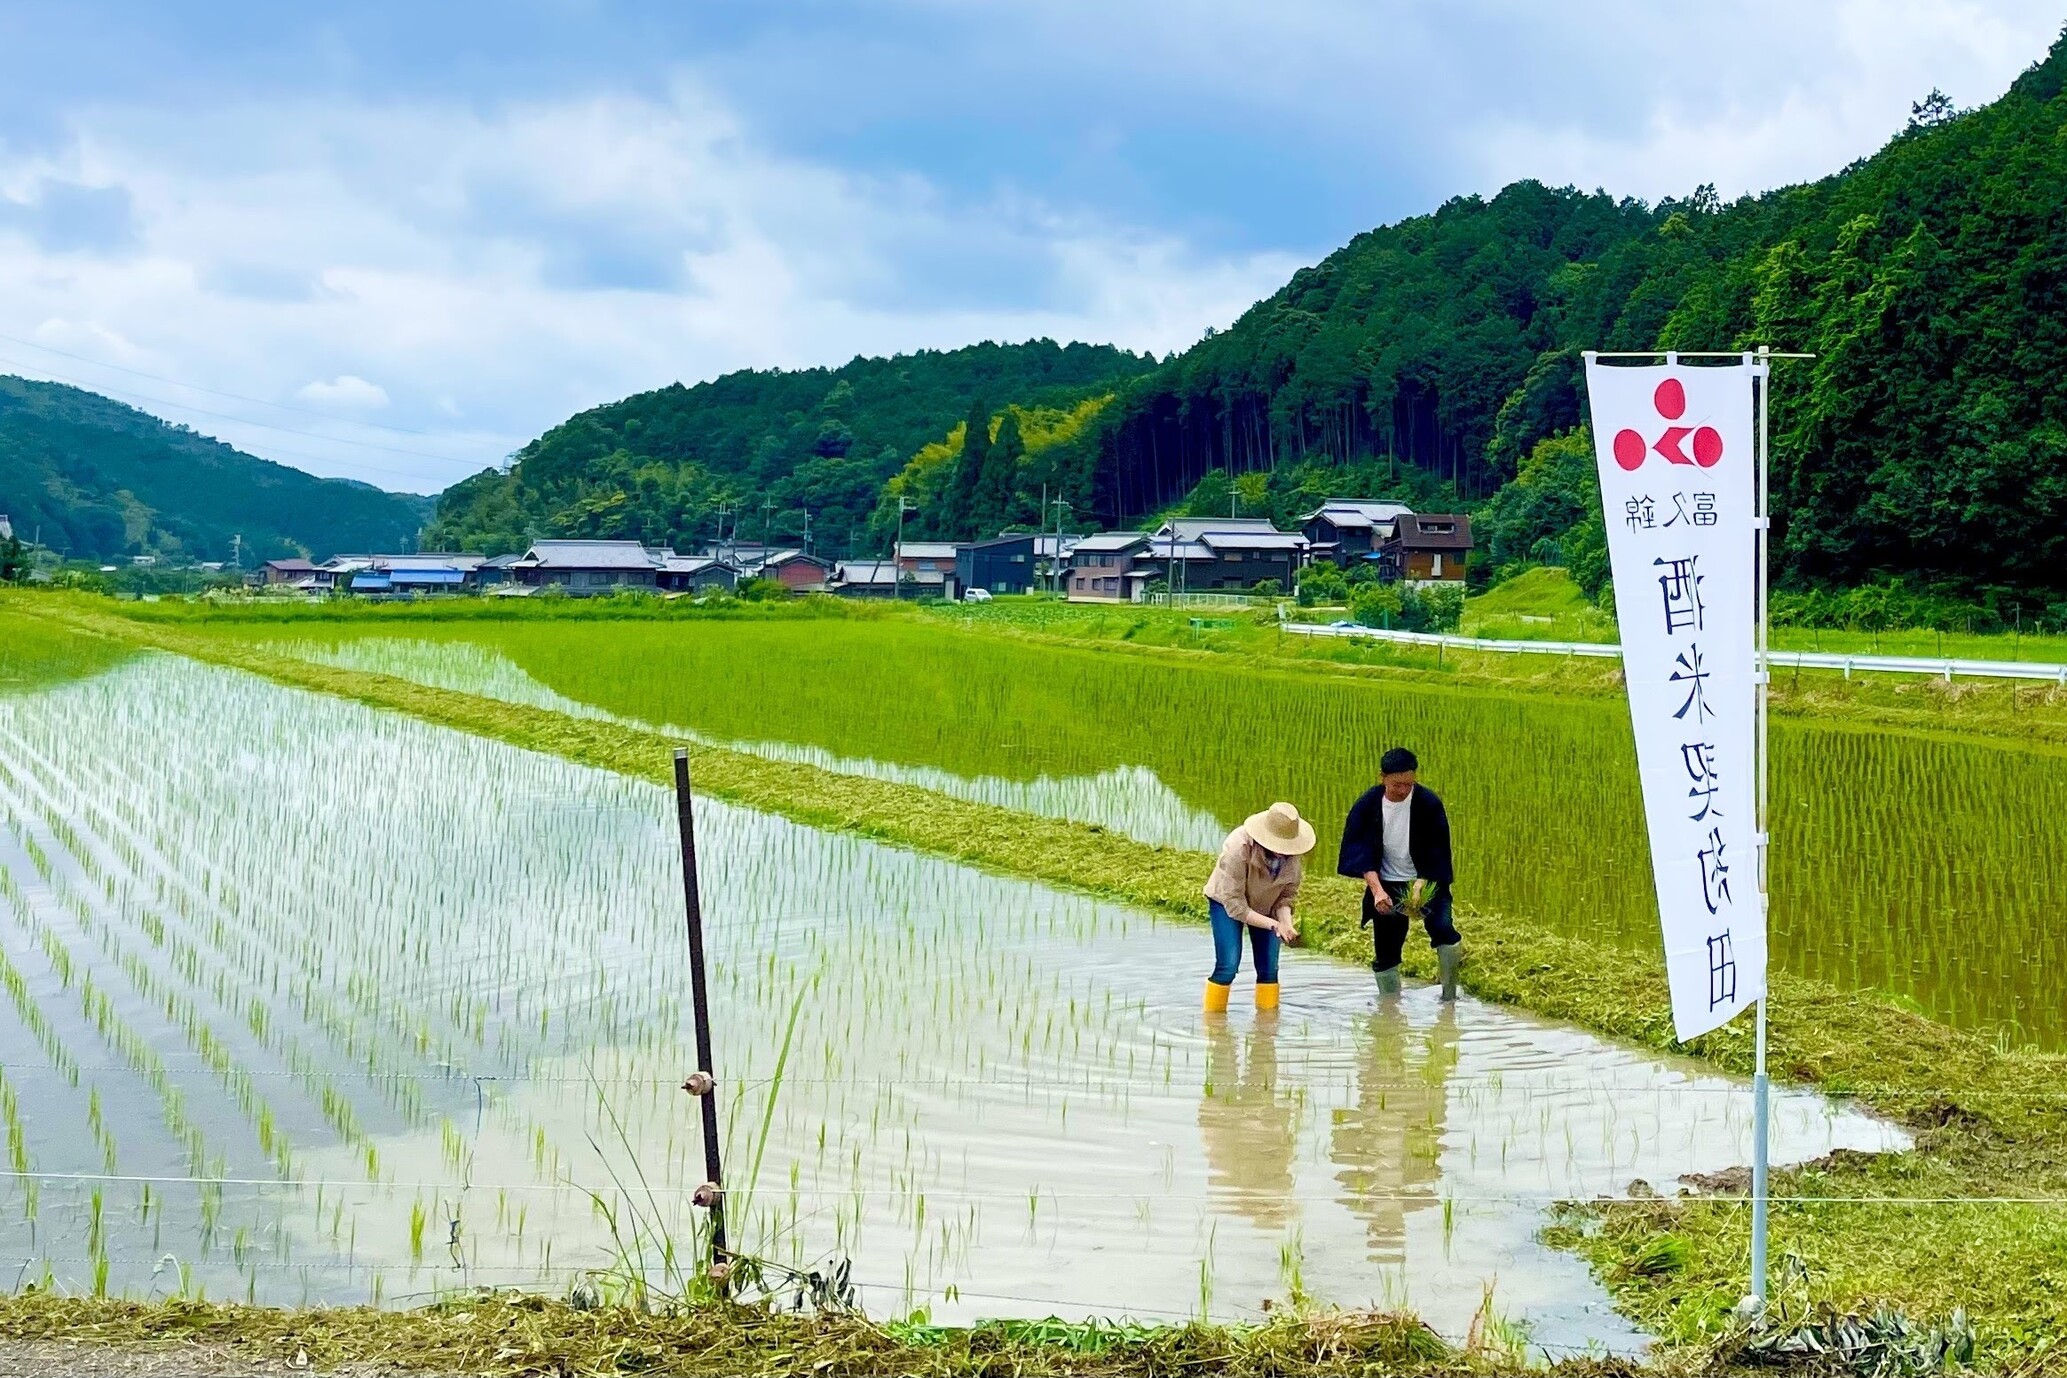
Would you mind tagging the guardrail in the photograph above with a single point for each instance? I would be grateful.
(1224, 601)
(1940, 666)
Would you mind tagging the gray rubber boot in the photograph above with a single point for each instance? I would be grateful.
(1389, 982)
(1449, 956)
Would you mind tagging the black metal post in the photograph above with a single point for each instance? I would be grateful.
(692, 901)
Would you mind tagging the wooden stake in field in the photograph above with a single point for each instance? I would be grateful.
(703, 1083)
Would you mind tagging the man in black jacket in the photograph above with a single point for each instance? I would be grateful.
(1397, 834)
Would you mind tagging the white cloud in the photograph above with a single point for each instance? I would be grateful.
(1777, 100)
(1642, 98)
(347, 391)
(516, 265)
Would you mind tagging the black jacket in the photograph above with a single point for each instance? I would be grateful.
(1428, 836)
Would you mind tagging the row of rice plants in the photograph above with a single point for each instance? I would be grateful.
(1901, 863)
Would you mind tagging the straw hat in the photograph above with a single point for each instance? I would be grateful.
(1281, 829)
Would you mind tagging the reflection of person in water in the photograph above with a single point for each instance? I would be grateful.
(1250, 1131)
(1386, 1145)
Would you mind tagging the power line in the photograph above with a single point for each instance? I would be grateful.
(1004, 1080)
(1429, 1197)
(121, 394)
(217, 392)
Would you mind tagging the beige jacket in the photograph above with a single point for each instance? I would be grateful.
(1243, 884)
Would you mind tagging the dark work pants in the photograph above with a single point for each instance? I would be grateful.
(1389, 929)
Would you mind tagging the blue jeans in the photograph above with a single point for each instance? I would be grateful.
(1227, 948)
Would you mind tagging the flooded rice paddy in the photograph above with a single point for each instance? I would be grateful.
(309, 1002)
(1920, 867)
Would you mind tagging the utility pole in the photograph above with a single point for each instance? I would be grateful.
(236, 548)
(767, 514)
(807, 531)
(904, 505)
(1055, 561)
(724, 511)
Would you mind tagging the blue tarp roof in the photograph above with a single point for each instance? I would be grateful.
(427, 576)
(371, 583)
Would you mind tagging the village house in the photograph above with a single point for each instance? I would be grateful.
(405, 576)
(795, 570)
(1002, 565)
(583, 568)
(1347, 530)
(1427, 548)
(430, 572)
(1051, 558)
(1224, 554)
(694, 574)
(865, 579)
(1104, 568)
(928, 565)
(495, 570)
(290, 572)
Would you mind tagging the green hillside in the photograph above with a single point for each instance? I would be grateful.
(100, 480)
(1928, 438)
(770, 445)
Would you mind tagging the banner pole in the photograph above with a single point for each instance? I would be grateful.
(1761, 1086)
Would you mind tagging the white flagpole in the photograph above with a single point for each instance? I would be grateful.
(1761, 1086)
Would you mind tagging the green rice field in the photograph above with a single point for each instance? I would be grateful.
(1921, 866)
(310, 1002)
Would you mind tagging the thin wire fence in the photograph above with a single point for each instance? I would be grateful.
(1424, 1197)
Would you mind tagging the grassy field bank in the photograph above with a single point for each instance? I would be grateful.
(506, 1337)
(2020, 711)
(2023, 711)
(1974, 1217)
(1545, 605)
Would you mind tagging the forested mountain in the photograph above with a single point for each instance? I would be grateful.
(760, 449)
(1438, 359)
(100, 480)
(1928, 437)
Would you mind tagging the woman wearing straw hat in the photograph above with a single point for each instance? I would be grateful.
(1253, 886)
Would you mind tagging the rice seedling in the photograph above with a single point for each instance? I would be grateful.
(1871, 892)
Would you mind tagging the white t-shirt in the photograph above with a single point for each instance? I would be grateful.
(1397, 860)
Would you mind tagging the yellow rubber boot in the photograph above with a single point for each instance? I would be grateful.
(1216, 998)
(1266, 995)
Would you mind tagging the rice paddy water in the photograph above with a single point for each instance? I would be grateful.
(305, 1001)
(1127, 799)
(1922, 867)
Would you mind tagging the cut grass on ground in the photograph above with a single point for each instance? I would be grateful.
(1975, 1217)
(505, 1336)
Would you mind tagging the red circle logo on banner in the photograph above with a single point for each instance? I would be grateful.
(1629, 450)
(1671, 399)
(1707, 447)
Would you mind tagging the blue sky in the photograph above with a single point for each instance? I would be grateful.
(394, 242)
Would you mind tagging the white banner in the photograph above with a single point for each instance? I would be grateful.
(1678, 481)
